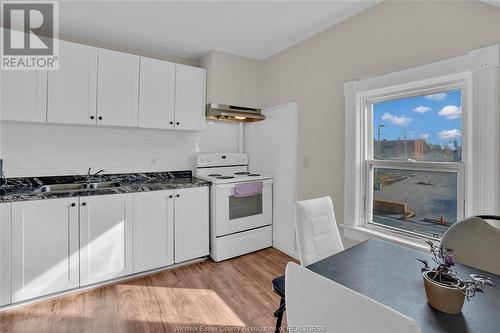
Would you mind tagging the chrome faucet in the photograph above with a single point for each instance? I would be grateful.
(90, 175)
(95, 174)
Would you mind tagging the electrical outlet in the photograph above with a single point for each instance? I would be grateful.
(153, 162)
(306, 162)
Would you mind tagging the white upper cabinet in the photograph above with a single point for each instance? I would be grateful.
(105, 87)
(24, 95)
(191, 223)
(153, 230)
(5, 253)
(118, 88)
(72, 88)
(156, 94)
(190, 96)
(106, 227)
(44, 247)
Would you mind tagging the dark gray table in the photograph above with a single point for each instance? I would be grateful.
(390, 274)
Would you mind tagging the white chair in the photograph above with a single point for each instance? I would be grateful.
(318, 236)
(315, 301)
(475, 243)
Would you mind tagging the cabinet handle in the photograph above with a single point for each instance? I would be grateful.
(177, 195)
(171, 123)
(84, 204)
(100, 118)
(92, 117)
(73, 204)
(170, 196)
(177, 123)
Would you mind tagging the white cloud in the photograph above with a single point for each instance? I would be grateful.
(422, 109)
(396, 120)
(451, 112)
(424, 136)
(437, 97)
(449, 134)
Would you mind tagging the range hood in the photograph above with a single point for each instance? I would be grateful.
(233, 113)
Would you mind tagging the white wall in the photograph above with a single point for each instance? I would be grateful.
(41, 149)
(149, 52)
(271, 146)
(392, 36)
(232, 79)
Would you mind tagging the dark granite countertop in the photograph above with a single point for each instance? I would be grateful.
(26, 188)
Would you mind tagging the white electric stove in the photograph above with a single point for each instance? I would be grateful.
(239, 224)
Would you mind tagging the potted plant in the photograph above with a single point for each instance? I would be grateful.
(446, 291)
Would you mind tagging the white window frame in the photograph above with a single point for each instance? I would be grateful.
(476, 75)
(459, 82)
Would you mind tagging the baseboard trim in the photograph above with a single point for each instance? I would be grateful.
(286, 251)
(14, 306)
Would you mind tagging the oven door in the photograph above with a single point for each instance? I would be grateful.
(234, 214)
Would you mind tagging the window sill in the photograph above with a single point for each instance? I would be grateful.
(364, 233)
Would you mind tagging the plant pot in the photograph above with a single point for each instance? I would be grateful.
(445, 297)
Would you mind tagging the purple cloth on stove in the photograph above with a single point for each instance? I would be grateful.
(247, 189)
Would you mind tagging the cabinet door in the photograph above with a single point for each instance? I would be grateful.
(153, 230)
(191, 223)
(44, 247)
(23, 95)
(105, 237)
(5, 253)
(117, 92)
(156, 94)
(190, 92)
(72, 88)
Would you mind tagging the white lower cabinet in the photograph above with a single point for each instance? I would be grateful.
(49, 246)
(191, 223)
(5, 253)
(44, 247)
(106, 226)
(153, 230)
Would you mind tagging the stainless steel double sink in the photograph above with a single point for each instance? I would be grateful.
(72, 187)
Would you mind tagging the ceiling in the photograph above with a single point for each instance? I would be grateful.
(492, 2)
(189, 29)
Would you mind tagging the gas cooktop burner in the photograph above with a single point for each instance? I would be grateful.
(224, 177)
(214, 175)
(242, 173)
(253, 174)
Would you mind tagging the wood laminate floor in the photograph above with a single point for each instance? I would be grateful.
(203, 297)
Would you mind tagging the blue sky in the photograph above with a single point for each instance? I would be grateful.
(436, 118)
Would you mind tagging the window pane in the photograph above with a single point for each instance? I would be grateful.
(421, 128)
(423, 202)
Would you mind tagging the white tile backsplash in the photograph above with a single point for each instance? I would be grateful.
(45, 149)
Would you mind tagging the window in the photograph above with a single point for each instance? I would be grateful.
(414, 167)
(421, 148)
